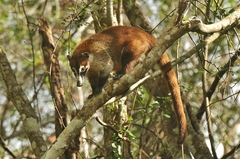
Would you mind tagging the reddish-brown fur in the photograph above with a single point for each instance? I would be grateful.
(118, 49)
(171, 78)
(113, 49)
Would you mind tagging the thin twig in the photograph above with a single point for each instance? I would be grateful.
(6, 148)
(206, 102)
(63, 31)
(33, 62)
(230, 153)
(218, 76)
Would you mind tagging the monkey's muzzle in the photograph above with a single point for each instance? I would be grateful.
(80, 81)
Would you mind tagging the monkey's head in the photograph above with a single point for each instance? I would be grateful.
(79, 64)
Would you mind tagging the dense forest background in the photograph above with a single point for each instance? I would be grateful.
(40, 114)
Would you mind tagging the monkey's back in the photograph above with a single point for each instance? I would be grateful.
(114, 48)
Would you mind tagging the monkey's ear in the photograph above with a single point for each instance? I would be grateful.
(86, 54)
(68, 57)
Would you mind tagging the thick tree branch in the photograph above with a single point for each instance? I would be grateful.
(119, 12)
(53, 68)
(228, 21)
(182, 9)
(22, 104)
(135, 14)
(208, 40)
(110, 17)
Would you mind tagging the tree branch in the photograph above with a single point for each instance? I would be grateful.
(226, 22)
(54, 75)
(110, 17)
(234, 149)
(119, 12)
(135, 14)
(218, 76)
(22, 104)
(6, 148)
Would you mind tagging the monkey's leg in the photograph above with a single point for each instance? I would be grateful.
(128, 61)
(101, 83)
(93, 80)
(97, 85)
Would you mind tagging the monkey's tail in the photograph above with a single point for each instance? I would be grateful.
(171, 78)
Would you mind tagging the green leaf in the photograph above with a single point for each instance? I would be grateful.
(166, 116)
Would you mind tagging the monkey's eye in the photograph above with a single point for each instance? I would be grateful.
(82, 69)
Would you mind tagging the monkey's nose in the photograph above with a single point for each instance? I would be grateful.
(79, 84)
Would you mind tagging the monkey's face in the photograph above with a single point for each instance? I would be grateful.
(79, 65)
